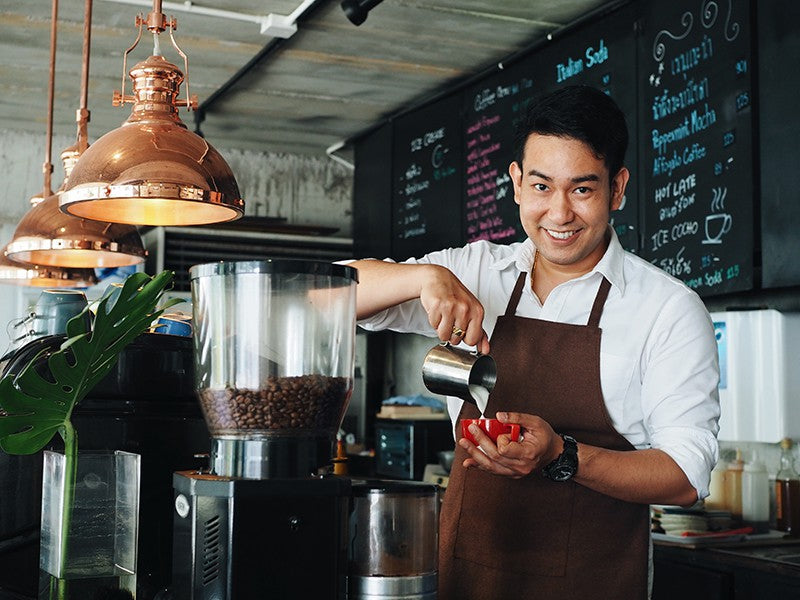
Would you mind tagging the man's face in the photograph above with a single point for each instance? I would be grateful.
(564, 199)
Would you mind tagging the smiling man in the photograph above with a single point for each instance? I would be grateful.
(608, 364)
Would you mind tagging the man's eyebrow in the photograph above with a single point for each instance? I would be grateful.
(535, 173)
(583, 178)
(578, 179)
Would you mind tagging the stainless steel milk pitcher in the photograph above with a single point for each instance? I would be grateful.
(453, 371)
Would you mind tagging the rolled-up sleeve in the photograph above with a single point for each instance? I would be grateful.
(410, 316)
(680, 397)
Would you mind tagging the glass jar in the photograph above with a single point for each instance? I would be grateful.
(787, 492)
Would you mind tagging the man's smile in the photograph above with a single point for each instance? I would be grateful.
(560, 235)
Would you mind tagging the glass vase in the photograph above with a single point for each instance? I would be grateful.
(89, 530)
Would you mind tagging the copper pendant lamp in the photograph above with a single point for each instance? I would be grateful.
(152, 170)
(17, 273)
(20, 273)
(45, 235)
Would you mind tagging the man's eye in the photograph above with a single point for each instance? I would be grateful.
(582, 190)
(540, 187)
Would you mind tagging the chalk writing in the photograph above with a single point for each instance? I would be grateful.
(590, 58)
(426, 161)
(698, 96)
(427, 139)
(692, 57)
(667, 104)
(676, 265)
(484, 183)
(690, 154)
(659, 49)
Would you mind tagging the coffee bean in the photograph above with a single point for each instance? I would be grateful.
(303, 402)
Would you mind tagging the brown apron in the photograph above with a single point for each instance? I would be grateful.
(504, 538)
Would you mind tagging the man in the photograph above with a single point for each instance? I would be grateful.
(608, 364)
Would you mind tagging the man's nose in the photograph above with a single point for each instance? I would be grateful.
(560, 209)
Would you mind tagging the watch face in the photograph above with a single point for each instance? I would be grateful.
(561, 472)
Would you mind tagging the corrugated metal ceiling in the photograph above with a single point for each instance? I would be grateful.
(328, 82)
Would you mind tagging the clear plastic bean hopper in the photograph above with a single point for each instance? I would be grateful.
(274, 351)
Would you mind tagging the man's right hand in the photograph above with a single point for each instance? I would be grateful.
(453, 311)
(450, 306)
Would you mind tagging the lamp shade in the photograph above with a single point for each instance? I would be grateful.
(152, 170)
(43, 276)
(46, 236)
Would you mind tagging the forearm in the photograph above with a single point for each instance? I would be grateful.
(382, 285)
(452, 310)
(645, 476)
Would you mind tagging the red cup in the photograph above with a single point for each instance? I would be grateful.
(492, 427)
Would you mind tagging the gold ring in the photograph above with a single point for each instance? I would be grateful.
(457, 331)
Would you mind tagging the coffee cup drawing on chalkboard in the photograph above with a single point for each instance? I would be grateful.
(716, 226)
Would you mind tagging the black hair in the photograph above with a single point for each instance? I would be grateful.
(582, 113)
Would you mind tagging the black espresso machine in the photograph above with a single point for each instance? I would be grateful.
(274, 345)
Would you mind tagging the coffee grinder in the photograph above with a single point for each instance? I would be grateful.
(274, 345)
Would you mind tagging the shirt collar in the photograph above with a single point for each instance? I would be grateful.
(521, 257)
(610, 265)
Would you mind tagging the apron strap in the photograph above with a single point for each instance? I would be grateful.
(597, 307)
(599, 302)
(511, 307)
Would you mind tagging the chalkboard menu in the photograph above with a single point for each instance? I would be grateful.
(601, 54)
(426, 172)
(696, 125)
(491, 111)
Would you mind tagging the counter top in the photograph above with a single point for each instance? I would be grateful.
(775, 555)
(784, 552)
(727, 571)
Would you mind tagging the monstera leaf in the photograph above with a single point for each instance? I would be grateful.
(38, 402)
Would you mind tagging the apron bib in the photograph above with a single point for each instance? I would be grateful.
(505, 538)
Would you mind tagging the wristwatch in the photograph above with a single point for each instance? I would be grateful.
(566, 465)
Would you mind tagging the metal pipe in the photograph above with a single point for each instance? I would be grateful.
(301, 13)
(82, 116)
(330, 150)
(191, 8)
(267, 50)
(299, 10)
(47, 167)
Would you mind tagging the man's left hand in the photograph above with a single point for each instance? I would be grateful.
(539, 445)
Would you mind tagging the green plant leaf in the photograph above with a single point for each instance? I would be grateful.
(37, 402)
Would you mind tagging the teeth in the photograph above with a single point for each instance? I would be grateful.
(561, 235)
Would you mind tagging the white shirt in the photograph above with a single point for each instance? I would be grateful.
(659, 367)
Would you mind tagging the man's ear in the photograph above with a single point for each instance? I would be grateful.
(515, 172)
(618, 185)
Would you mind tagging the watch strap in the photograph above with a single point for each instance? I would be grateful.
(565, 466)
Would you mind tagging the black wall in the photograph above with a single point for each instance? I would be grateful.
(372, 192)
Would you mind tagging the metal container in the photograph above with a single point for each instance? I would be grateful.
(393, 551)
(453, 371)
(49, 317)
(274, 353)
